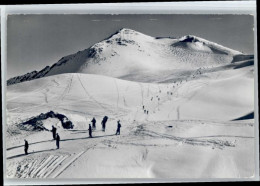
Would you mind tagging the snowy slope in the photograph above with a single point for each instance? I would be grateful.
(128, 51)
(188, 132)
(220, 95)
(194, 90)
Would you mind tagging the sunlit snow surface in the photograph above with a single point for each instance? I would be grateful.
(189, 131)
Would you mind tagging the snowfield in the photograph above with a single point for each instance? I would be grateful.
(193, 91)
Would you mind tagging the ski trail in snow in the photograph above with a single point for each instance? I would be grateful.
(68, 164)
(31, 92)
(142, 92)
(190, 87)
(125, 104)
(178, 112)
(34, 173)
(192, 141)
(55, 82)
(117, 92)
(45, 97)
(33, 165)
(91, 97)
(66, 90)
(148, 92)
(55, 165)
(69, 86)
(44, 169)
(33, 169)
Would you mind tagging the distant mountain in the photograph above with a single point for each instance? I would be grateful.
(130, 52)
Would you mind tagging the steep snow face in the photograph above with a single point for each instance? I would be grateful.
(128, 51)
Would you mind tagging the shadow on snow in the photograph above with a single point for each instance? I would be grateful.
(20, 155)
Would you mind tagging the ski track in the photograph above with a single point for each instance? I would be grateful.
(66, 90)
(39, 169)
(31, 92)
(192, 141)
(197, 85)
(178, 112)
(60, 97)
(142, 92)
(92, 97)
(55, 165)
(45, 97)
(117, 93)
(62, 169)
(68, 164)
(69, 87)
(55, 82)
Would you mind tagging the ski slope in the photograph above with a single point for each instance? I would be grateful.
(188, 132)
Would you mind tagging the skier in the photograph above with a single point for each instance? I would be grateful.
(144, 111)
(143, 107)
(104, 123)
(53, 132)
(118, 128)
(93, 123)
(58, 141)
(147, 111)
(26, 146)
(90, 131)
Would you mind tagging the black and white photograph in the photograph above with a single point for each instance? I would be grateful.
(130, 96)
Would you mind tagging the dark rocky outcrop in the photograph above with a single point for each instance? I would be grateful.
(36, 123)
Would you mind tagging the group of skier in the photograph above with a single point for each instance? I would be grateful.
(56, 136)
(145, 111)
(103, 123)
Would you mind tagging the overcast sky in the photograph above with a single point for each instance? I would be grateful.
(35, 41)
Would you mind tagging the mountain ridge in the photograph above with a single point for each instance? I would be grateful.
(117, 52)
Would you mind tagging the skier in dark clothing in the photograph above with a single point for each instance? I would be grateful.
(58, 141)
(104, 123)
(118, 127)
(90, 131)
(54, 132)
(26, 146)
(93, 123)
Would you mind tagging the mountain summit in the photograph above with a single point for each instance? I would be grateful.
(128, 52)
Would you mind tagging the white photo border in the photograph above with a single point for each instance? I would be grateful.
(210, 7)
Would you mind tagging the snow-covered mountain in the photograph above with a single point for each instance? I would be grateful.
(186, 107)
(130, 52)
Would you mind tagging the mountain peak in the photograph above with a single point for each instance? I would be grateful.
(126, 30)
(188, 38)
(128, 50)
(123, 31)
